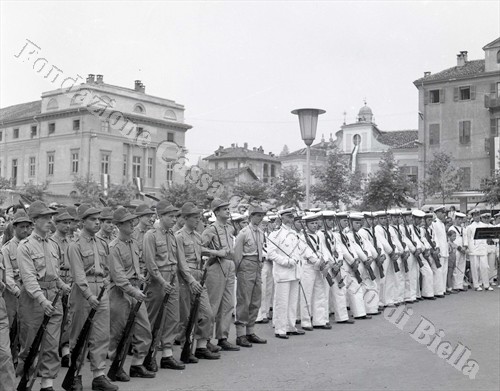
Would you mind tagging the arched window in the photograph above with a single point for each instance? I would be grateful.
(356, 140)
(170, 114)
(266, 170)
(498, 57)
(52, 105)
(77, 100)
(138, 108)
(273, 171)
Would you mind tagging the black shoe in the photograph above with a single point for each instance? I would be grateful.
(206, 354)
(122, 376)
(263, 321)
(255, 339)
(282, 336)
(306, 328)
(190, 360)
(297, 321)
(227, 346)
(77, 384)
(141, 371)
(447, 293)
(419, 299)
(47, 389)
(380, 308)
(177, 342)
(428, 298)
(65, 361)
(363, 317)
(327, 326)
(171, 363)
(213, 348)
(440, 296)
(243, 341)
(374, 313)
(454, 291)
(348, 321)
(152, 366)
(296, 332)
(102, 383)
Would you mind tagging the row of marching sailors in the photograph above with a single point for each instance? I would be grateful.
(327, 261)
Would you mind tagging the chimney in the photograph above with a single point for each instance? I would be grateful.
(142, 88)
(426, 74)
(90, 78)
(461, 59)
(232, 145)
(221, 147)
(255, 149)
(100, 79)
(464, 54)
(137, 86)
(245, 145)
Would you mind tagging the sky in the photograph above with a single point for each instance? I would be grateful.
(240, 67)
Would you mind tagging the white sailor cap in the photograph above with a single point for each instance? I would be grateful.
(369, 215)
(497, 215)
(328, 213)
(265, 219)
(486, 214)
(311, 217)
(342, 215)
(286, 211)
(380, 213)
(418, 213)
(441, 208)
(474, 211)
(460, 214)
(238, 217)
(356, 216)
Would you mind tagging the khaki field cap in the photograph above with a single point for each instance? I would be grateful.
(122, 215)
(256, 209)
(21, 217)
(86, 210)
(106, 213)
(143, 210)
(218, 203)
(63, 216)
(38, 208)
(164, 206)
(189, 209)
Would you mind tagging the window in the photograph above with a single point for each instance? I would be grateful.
(170, 172)
(50, 163)
(273, 171)
(150, 167)
(33, 131)
(464, 132)
(465, 177)
(139, 109)
(356, 139)
(76, 124)
(75, 159)
(170, 137)
(32, 166)
(216, 165)
(0, 168)
(136, 166)
(494, 127)
(411, 173)
(15, 133)
(498, 57)
(105, 126)
(266, 170)
(105, 160)
(464, 93)
(436, 96)
(14, 172)
(434, 134)
(125, 160)
(1, 135)
(225, 165)
(52, 128)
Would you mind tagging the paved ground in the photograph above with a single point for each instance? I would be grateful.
(369, 355)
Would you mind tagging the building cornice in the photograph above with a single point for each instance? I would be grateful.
(483, 75)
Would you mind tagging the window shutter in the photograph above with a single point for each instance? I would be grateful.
(455, 94)
(487, 145)
(493, 127)
(493, 88)
(426, 97)
(473, 92)
(461, 132)
(441, 95)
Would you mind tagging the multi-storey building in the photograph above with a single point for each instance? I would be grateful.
(109, 132)
(265, 167)
(459, 111)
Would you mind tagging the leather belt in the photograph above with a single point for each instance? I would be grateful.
(47, 284)
(168, 268)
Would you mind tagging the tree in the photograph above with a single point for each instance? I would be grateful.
(121, 194)
(443, 178)
(5, 184)
(87, 190)
(285, 150)
(178, 194)
(388, 186)
(287, 189)
(333, 180)
(491, 189)
(34, 191)
(253, 191)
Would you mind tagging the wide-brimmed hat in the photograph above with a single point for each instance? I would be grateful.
(164, 206)
(218, 203)
(21, 217)
(121, 215)
(106, 213)
(256, 209)
(189, 209)
(38, 208)
(143, 210)
(86, 210)
(63, 215)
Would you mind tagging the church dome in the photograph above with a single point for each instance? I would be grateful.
(365, 114)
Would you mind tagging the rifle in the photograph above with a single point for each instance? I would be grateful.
(158, 328)
(193, 317)
(333, 253)
(14, 335)
(33, 352)
(355, 270)
(408, 234)
(434, 252)
(80, 346)
(123, 345)
(322, 266)
(393, 259)
(379, 261)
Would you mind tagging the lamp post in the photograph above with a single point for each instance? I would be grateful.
(308, 120)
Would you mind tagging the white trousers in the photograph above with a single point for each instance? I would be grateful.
(338, 302)
(427, 279)
(492, 258)
(439, 288)
(479, 270)
(370, 289)
(394, 283)
(313, 288)
(354, 293)
(459, 271)
(411, 279)
(286, 295)
(444, 272)
(267, 290)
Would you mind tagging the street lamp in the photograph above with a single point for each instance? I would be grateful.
(308, 120)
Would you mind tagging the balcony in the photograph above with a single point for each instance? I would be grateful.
(492, 102)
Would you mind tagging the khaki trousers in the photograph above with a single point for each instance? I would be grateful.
(248, 295)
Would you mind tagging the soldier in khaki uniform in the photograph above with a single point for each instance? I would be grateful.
(38, 260)
(88, 258)
(221, 275)
(124, 292)
(7, 376)
(162, 262)
(63, 222)
(146, 220)
(106, 232)
(190, 249)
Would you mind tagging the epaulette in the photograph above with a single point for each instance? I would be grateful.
(25, 240)
(114, 242)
